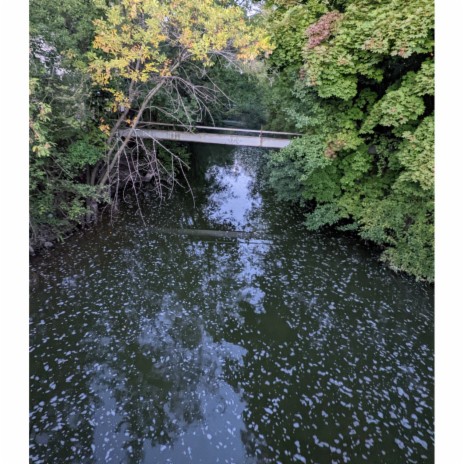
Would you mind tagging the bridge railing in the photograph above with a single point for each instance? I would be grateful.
(228, 130)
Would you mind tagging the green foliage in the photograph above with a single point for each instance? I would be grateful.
(38, 118)
(417, 157)
(402, 103)
(64, 138)
(287, 28)
(357, 46)
(360, 86)
(300, 161)
(65, 26)
(244, 94)
(326, 214)
(84, 151)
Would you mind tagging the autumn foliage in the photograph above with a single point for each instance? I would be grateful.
(321, 30)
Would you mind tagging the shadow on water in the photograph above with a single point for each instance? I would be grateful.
(149, 345)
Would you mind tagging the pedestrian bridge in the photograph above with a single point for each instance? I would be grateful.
(214, 135)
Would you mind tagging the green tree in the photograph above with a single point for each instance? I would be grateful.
(64, 140)
(360, 85)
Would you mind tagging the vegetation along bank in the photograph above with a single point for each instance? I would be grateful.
(355, 77)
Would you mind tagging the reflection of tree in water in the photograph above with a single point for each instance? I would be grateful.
(61, 400)
(228, 197)
(321, 378)
(204, 156)
(144, 391)
(159, 381)
(166, 364)
(170, 333)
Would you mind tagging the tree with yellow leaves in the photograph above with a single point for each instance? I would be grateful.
(145, 47)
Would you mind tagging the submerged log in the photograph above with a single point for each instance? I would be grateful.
(217, 233)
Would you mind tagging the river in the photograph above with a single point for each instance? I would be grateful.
(166, 343)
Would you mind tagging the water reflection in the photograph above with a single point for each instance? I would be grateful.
(149, 347)
(232, 199)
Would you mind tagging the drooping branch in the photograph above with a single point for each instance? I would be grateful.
(143, 44)
(173, 85)
(141, 164)
(114, 158)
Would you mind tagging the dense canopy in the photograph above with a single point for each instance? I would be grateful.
(356, 77)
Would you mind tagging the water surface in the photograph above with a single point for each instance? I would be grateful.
(150, 346)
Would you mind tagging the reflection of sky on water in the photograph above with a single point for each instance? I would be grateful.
(198, 412)
(232, 201)
(251, 257)
(160, 348)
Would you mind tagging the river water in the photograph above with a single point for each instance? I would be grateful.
(167, 343)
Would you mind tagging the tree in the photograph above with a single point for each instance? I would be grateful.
(357, 77)
(96, 66)
(146, 54)
(64, 140)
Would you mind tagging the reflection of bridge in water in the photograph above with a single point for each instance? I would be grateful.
(205, 134)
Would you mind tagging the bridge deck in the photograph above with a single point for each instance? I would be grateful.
(204, 137)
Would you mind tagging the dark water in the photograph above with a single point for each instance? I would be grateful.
(149, 346)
